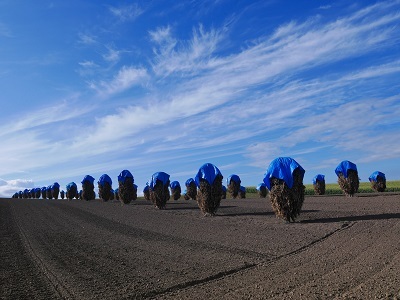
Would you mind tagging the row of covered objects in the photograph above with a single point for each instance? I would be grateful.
(51, 191)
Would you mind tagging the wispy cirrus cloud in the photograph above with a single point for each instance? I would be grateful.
(126, 12)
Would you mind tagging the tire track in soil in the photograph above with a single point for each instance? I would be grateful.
(20, 277)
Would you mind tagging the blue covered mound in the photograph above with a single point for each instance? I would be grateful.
(123, 175)
(208, 172)
(242, 188)
(43, 189)
(233, 177)
(374, 176)
(174, 184)
(162, 176)
(146, 188)
(55, 185)
(318, 177)
(88, 178)
(260, 185)
(189, 181)
(282, 168)
(344, 166)
(103, 179)
(70, 185)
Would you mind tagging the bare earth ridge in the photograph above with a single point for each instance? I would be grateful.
(338, 248)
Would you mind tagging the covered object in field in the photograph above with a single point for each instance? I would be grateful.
(284, 180)
(209, 183)
(242, 192)
(146, 192)
(378, 181)
(88, 188)
(38, 192)
(105, 187)
(233, 183)
(319, 184)
(49, 194)
(175, 190)
(262, 190)
(223, 192)
(191, 190)
(126, 190)
(159, 189)
(348, 179)
(55, 190)
(44, 192)
(62, 194)
(72, 190)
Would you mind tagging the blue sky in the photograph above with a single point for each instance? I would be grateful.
(94, 87)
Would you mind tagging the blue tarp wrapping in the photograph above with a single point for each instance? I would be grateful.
(38, 190)
(123, 175)
(208, 172)
(55, 185)
(70, 185)
(88, 178)
(146, 188)
(224, 188)
(103, 179)
(344, 166)
(260, 185)
(26, 191)
(189, 181)
(162, 176)
(282, 168)
(174, 184)
(48, 188)
(43, 189)
(242, 188)
(318, 177)
(375, 175)
(233, 177)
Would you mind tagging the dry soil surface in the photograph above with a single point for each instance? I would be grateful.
(338, 248)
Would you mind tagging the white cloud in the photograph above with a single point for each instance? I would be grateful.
(126, 13)
(87, 39)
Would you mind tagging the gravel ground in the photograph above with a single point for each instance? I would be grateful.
(338, 248)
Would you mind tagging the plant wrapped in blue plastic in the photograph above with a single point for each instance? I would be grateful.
(126, 190)
(72, 190)
(175, 190)
(38, 192)
(233, 183)
(55, 190)
(26, 194)
(242, 192)
(88, 188)
(378, 181)
(284, 180)
(348, 177)
(146, 192)
(191, 189)
(319, 184)
(49, 194)
(262, 190)
(159, 191)
(223, 192)
(209, 183)
(62, 194)
(43, 191)
(105, 187)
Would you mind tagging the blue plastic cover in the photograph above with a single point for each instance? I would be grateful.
(123, 175)
(282, 168)
(223, 188)
(162, 176)
(88, 178)
(344, 166)
(26, 191)
(318, 177)
(103, 179)
(71, 184)
(208, 172)
(174, 184)
(233, 177)
(135, 186)
(242, 188)
(189, 181)
(43, 189)
(48, 188)
(374, 176)
(146, 188)
(38, 190)
(55, 185)
(260, 185)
